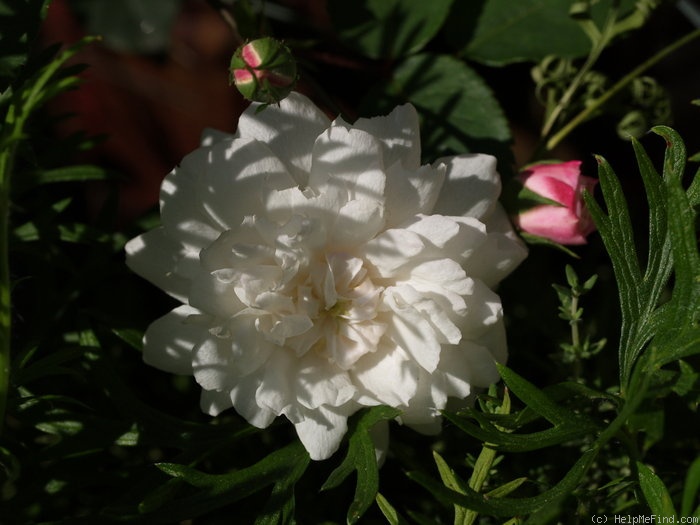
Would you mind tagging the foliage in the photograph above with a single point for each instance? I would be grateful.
(593, 416)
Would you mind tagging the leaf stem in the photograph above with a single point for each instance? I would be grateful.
(597, 103)
(6, 161)
(602, 41)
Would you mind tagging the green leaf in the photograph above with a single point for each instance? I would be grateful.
(499, 32)
(458, 110)
(361, 458)
(691, 489)
(132, 25)
(20, 21)
(280, 506)
(567, 425)
(655, 492)
(388, 28)
(281, 468)
(78, 173)
(453, 482)
(672, 246)
(389, 512)
(506, 507)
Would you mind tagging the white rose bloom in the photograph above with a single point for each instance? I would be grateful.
(322, 269)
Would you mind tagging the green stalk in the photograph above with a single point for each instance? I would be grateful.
(8, 143)
(599, 45)
(25, 100)
(6, 161)
(623, 82)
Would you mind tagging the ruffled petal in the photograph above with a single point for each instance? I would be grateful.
(321, 383)
(169, 341)
(471, 187)
(213, 402)
(243, 399)
(387, 376)
(321, 431)
(154, 256)
(295, 117)
(502, 252)
(213, 365)
(410, 192)
(349, 160)
(183, 216)
(398, 132)
(231, 190)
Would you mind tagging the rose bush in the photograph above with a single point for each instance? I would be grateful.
(568, 222)
(322, 269)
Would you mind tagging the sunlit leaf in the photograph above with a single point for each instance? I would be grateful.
(361, 457)
(672, 245)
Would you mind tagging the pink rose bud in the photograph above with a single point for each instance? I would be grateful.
(567, 222)
(264, 70)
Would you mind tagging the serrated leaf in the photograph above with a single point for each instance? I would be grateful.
(281, 468)
(387, 28)
(655, 492)
(279, 508)
(673, 326)
(506, 507)
(498, 32)
(362, 459)
(567, 425)
(458, 110)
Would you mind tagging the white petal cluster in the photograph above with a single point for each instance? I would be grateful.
(322, 269)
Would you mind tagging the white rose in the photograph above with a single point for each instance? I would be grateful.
(322, 269)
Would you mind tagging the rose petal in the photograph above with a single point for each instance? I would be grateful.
(169, 341)
(321, 431)
(471, 187)
(154, 256)
(295, 116)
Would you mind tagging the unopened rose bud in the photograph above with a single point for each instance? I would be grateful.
(264, 70)
(565, 220)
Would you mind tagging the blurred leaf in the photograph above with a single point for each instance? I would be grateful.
(77, 173)
(388, 28)
(132, 26)
(655, 492)
(498, 32)
(691, 489)
(361, 457)
(281, 468)
(19, 23)
(458, 111)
